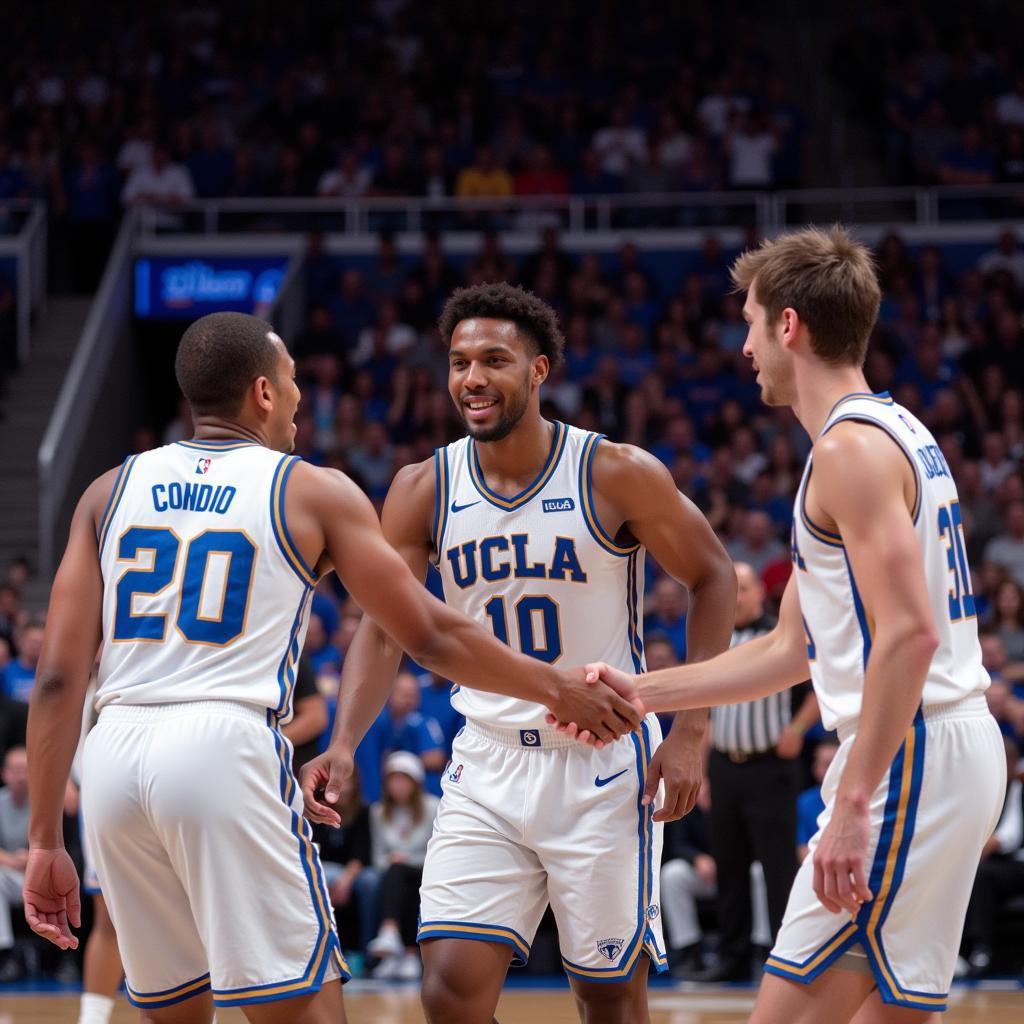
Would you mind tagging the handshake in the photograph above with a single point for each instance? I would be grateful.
(596, 704)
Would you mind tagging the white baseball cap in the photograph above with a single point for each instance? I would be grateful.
(406, 763)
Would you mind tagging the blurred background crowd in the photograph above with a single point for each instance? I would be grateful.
(156, 106)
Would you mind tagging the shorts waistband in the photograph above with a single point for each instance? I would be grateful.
(147, 713)
(974, 705)
(525, 739)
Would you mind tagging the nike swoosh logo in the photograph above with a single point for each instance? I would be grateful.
(460, 508)
(598, 781)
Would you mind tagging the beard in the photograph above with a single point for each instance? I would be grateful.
(514, 409)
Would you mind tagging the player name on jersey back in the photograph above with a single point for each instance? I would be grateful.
(839, 628)
(206, 596)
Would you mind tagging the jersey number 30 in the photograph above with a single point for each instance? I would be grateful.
(961, 597)
(223, 559)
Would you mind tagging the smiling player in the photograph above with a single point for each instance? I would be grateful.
(538, 530)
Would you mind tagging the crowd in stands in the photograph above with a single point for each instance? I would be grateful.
(664, 371)
(948, 90)
(163, 103)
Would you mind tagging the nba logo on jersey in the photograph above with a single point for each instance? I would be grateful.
(203, 466)
(610, 948)
(456, 774)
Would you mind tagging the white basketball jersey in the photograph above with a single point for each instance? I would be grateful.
(537, 568)
(205, 596)
(838, 629)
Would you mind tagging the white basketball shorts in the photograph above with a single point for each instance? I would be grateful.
(931, 815)
(529, 817)
(195, 823)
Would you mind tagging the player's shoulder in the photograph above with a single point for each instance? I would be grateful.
(854, 446)
(618, 465)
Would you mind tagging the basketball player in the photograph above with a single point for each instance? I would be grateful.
(880, 610)
(197, 562)
(538, 530)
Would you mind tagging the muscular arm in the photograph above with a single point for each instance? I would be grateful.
(863, 483)
(73, 629)
(328, 511)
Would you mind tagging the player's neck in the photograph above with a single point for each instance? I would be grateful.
(218, 428)
(519, 457)
(819, 387)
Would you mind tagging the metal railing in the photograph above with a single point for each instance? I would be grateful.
(769, 212)
(24, 241)
(73, 450)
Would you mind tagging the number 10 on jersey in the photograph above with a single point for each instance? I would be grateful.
(536, 619)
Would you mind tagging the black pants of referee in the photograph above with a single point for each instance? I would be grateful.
(753, 818)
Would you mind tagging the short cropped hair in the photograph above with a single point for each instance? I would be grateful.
(535, 320)
(828, 278)
(219, 356)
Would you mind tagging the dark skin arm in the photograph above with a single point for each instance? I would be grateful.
(335, 526)
(73, 630)
(637, 500)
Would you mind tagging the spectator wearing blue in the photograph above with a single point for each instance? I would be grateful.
(809, 803)
(667, 614)
(400, 726)
(436, 705)
(322, 654)
(20, 673)
(91, 195)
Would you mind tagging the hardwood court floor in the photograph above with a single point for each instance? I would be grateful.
(401, 1006)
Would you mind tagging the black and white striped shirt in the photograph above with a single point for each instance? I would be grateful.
(755, 725)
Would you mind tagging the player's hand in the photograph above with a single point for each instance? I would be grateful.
(840, 882)
(51, 894)
(325, 774)
(679, 762)
(790, 743)
(596, 708)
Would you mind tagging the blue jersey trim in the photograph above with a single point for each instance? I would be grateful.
(882, 397)
(278, 521)
(286, 670)
(168, 996)
(442, 488)
(326, 945)
(634, 623)
(223, 445)
(476, 474)
(645, 876)
(116, 494)
(586, 491)
(866, 630)
(478, 932)
(862, 418)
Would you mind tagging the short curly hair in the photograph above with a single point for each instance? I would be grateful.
(535, 320)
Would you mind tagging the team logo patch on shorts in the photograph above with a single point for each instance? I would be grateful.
(529, 737)
(610, 948)
(455, 775)
(652, 911)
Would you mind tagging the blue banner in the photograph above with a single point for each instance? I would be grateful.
(190, 288)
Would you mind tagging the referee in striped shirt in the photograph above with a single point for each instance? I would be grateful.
(754, 778)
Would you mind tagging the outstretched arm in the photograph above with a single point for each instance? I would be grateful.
(73, 628)
(763, 666)
(436, 636)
